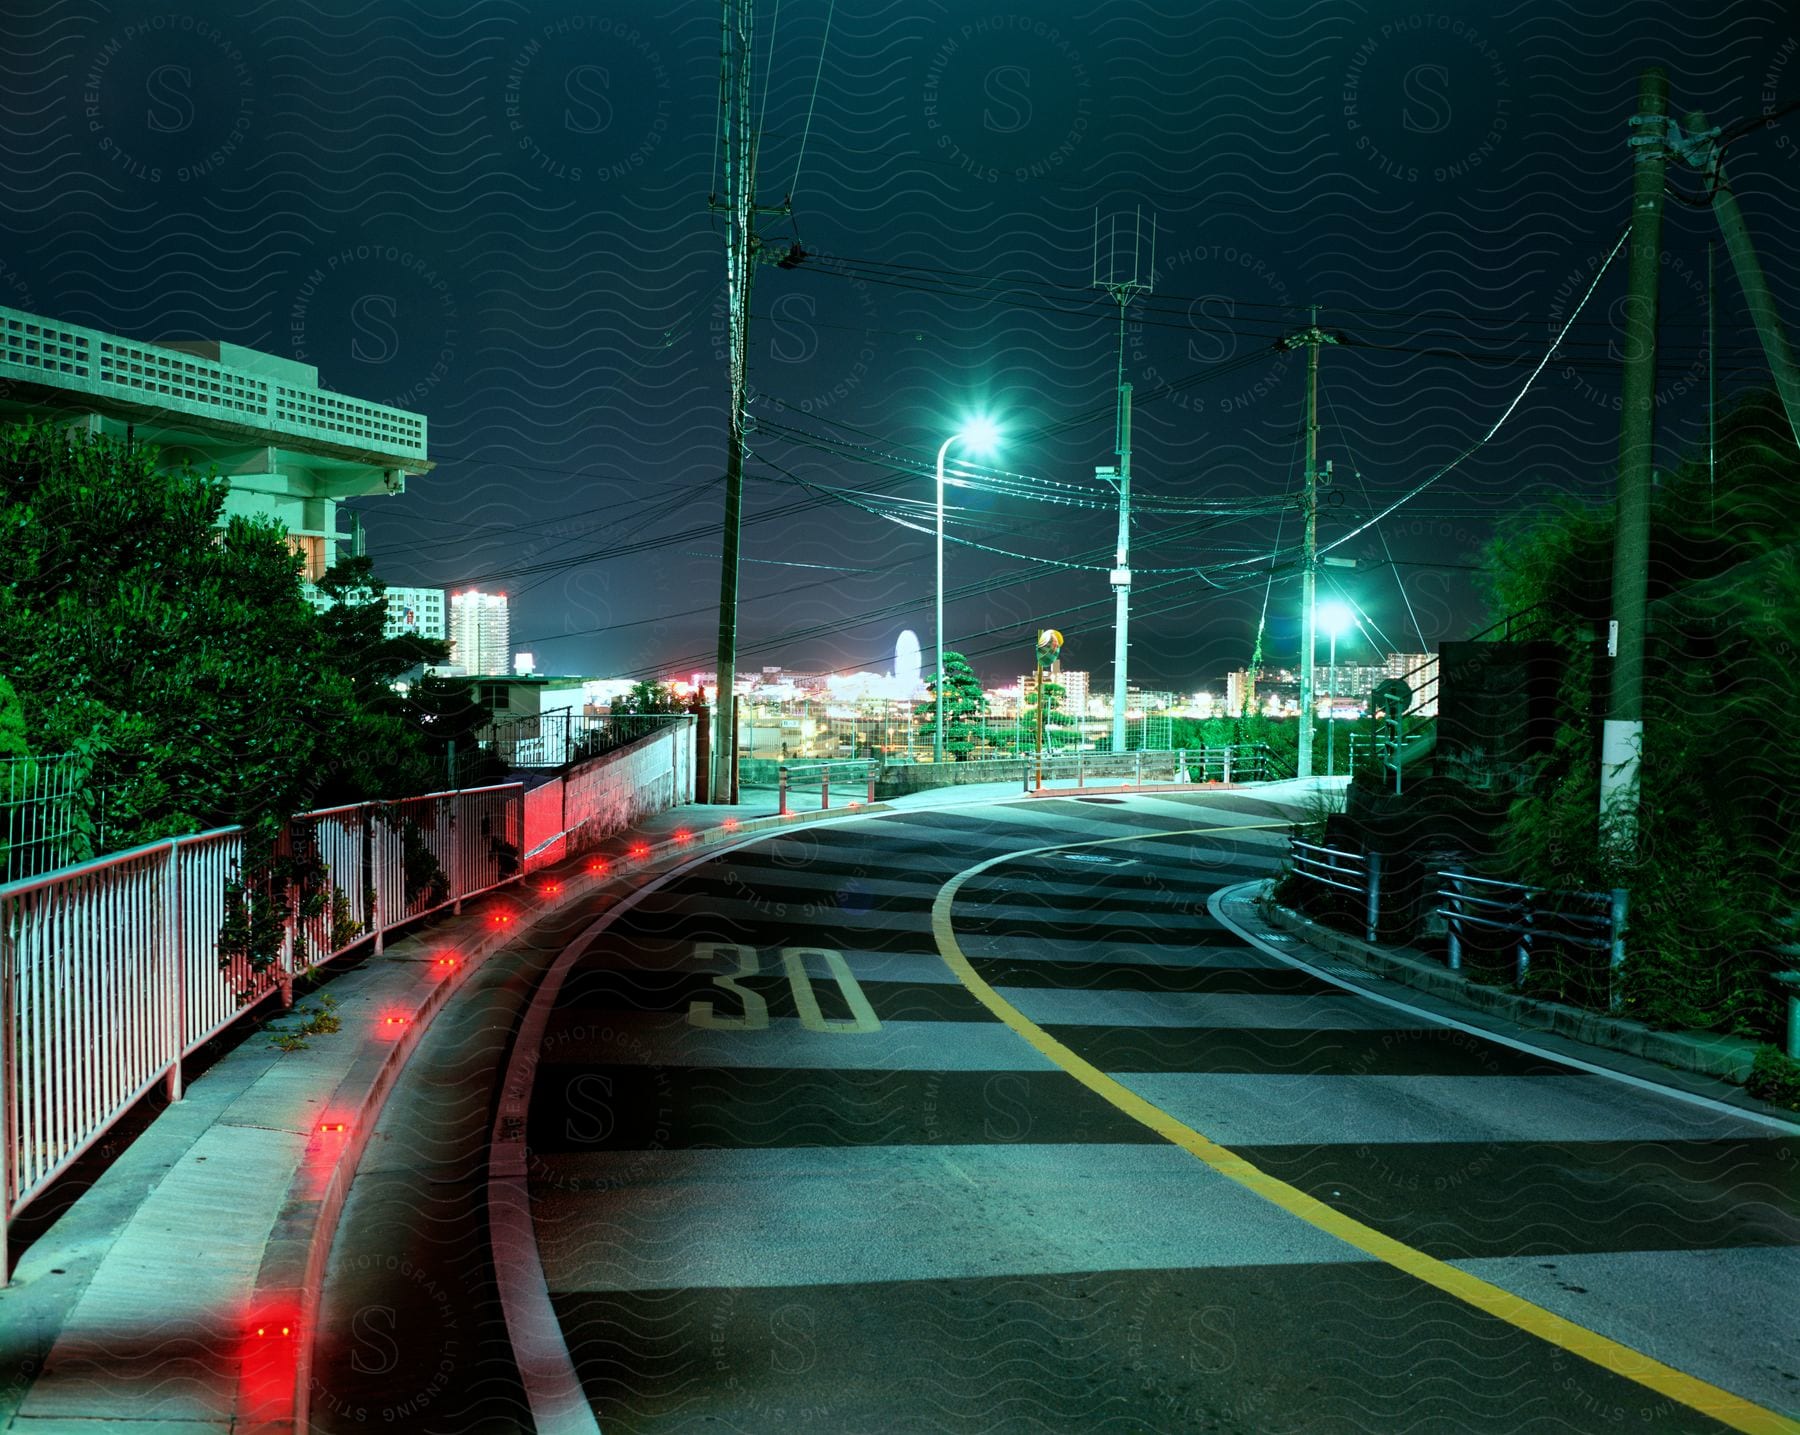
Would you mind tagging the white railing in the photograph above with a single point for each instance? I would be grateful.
(110, 970)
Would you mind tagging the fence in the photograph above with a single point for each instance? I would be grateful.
(1241, 762)
(1358, 873)
(564, 736)
(1532, 916)
(110, 971)
(37, 814)
(901, 732)
(605, 793)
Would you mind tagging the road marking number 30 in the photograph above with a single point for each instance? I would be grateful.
(793, 962)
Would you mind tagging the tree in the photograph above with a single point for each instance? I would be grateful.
(964, 705)
(648, 697)
(178, 656)
(1720, 768)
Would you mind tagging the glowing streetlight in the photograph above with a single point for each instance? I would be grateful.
(979, 435)
(1335, 618)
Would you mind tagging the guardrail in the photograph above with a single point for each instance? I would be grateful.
(849, 770)
(1358, 873)
(1532, 915)
(110, 971)
(1242, 762)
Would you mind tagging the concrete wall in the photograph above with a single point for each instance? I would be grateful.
(608, 793)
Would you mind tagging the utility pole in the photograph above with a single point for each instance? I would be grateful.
(1622, 742)
(1311, 337)
(1701, 149)
(743, 250)
(1123, 291)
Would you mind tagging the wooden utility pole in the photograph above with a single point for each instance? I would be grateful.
(743, 251)
(1311, 337)
(1622, 742)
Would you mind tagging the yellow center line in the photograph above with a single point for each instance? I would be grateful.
(1721, 1405)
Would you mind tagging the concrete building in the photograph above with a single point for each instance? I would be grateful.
(1074, 683)
(480, 636)
(290, 450)
(418, 611)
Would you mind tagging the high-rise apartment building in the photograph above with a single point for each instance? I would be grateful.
(415, 611)
(1074, 683)
(480, 637)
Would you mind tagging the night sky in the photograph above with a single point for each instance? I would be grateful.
(496, 214)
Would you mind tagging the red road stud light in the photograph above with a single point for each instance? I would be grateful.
(501, 919)
(640, 849)
(445, 962)
(597, 866)
(332, 1126)
(276, 1331)
(393, 1021)
(550, 889)
(683, 835)
(729, 824)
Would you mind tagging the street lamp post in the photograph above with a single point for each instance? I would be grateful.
(1336, 617)
(1331, 712)
(979, 433)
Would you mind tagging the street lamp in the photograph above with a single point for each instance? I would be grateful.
(980, 435)
(1335, 618)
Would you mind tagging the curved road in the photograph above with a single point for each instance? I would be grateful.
(980, 1120)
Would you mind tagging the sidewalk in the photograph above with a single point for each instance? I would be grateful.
(171, 1296)
(174, 1296)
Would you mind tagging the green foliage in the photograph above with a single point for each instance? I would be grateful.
(648, 697)
(426, 883)
(177, 652)
(1720, 812)
(13, 741)
(964, 703)
(320, 1021)
(1775, 1078)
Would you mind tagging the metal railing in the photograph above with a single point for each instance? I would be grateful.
(1530, 917)
(1357, 873)
(110, 970)
(37, 814)
(563, 736)
(860, 773)
(1242, 762)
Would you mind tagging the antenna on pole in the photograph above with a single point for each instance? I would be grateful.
(1122, 291)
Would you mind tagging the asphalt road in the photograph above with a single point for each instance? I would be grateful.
(980, 1121)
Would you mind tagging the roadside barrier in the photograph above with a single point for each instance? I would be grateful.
(1358, 873)
(1594, 921)
(110, 971)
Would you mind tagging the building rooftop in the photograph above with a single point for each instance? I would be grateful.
(200, 386)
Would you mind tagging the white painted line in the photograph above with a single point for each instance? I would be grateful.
(1216, 905)
(540, 1349)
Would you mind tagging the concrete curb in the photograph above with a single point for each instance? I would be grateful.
(275, 1377)
(1728, 1058)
